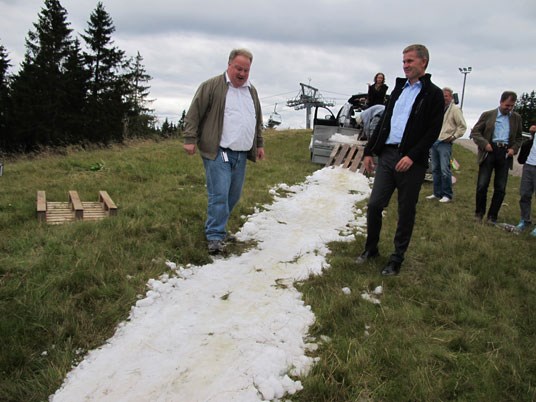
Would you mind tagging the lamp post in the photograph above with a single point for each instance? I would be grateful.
(464, 71)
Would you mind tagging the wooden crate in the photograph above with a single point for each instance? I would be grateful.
(350, 157)
(55, 213)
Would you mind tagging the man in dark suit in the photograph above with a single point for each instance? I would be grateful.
(498, 135)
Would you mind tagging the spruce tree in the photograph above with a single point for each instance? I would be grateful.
(4, 99)
(39, 92)
(106, 109)
(140, 118)
(526, 107)
(76, 85)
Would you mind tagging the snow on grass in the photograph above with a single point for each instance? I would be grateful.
(236, 329)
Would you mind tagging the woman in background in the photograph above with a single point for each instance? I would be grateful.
(377, 91)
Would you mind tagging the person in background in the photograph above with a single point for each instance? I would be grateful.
(369, 119)
(454, 127)
(377, 91)
(498, 135)
(225, 122)
(527, 156)
(410, 125)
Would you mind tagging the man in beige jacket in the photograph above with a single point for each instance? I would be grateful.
(454, 127)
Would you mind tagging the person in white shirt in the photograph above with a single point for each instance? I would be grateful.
(225, 122)
(527, 156)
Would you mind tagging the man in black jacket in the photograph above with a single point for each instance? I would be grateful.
(410, 125)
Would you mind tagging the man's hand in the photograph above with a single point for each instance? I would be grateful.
(260, 153)
(368, 163)
(189, 148)
(488, 148)
(404, 164)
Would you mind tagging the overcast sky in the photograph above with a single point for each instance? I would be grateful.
(336, 46)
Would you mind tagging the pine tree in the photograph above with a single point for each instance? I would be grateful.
(526, 107)
(140, 120)
(39, 92)
(4, 99)
(76, 85)
(180, 125)
(106, 109)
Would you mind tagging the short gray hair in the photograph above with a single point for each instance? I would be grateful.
(240, 52)
(421, 50)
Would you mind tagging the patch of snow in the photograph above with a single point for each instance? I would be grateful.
(236, 329)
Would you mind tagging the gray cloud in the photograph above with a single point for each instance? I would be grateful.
(336, 45)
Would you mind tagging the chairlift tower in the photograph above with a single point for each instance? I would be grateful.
(307, 99)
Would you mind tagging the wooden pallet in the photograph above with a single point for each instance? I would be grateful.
(55, 213)
(349, 156)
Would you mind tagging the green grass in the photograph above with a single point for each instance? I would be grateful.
(456, 325)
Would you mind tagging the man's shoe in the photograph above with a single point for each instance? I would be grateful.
(522, 225)
(229, 238)
(216, 246)
(491, 221)
(431, 197)
(533, 233)
(445, 199)
(367, 255)
(478, 217)
(391, 269)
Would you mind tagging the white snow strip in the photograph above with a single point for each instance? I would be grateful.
(236, 329)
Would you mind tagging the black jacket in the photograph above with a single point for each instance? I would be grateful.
(524, 151)
(423, 126)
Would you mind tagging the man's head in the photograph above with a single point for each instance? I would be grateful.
(447, 95)
(238, 66)
(507, 102)
(415, 61)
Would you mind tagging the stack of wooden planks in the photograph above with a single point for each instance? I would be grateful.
(349, 156)
(55, 213)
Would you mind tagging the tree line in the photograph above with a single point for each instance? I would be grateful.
(526, 107)
(66, 93)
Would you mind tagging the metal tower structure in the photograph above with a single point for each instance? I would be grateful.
(307, 99)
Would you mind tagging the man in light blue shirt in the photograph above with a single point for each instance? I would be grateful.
(409, 126)
(402, 110)
(497, 133)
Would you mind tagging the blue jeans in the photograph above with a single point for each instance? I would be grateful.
(225, 178)
(497, 162)
(441, 153)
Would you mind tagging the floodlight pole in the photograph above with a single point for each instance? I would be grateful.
(464, 71)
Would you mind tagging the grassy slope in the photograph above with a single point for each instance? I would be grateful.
(456, 325)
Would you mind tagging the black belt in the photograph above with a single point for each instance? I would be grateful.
(392, 146)
(501, 144)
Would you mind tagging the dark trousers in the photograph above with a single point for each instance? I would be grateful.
(526, 189)
(386, 180)
(497, 162)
